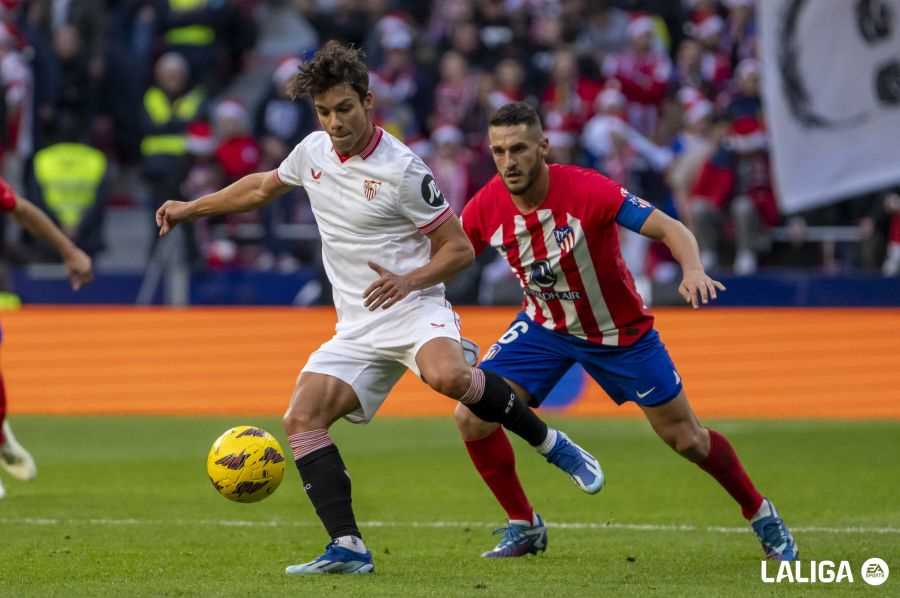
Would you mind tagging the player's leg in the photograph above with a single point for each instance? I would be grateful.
(644, 373)
(494, 459)
(489, 396)
(318, 401)
(441, 365)
(677, 425)
(17, 461)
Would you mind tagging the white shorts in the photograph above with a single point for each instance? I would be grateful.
(373, 361)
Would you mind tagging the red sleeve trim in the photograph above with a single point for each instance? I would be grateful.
(439, 220)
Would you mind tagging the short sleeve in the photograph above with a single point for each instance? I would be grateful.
(420, 199)
(606, 197)
(472, 225)
(291, 168)
(7, 197)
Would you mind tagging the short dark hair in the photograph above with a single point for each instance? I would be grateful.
(517, 113)
(334, 64)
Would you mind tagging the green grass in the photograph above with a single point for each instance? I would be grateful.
(122, 507)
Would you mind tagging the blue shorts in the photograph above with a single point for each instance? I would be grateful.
(536, 359)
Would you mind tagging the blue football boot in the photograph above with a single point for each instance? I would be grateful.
(519, 540)
(336, 559)
(581, 466)
(776, 539)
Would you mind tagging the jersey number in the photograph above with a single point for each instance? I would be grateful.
(513, 333)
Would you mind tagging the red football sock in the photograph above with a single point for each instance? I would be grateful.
(723, 464)
(495, 460)
(2, 408)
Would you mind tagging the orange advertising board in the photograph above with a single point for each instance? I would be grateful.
(754, 363)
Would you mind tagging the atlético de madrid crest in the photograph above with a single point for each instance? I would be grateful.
(565, 238)
(370, 188)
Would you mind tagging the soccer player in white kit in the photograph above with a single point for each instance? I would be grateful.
(389, 240)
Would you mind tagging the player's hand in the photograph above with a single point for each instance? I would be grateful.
(79, 268)
(697, 287)
(388, 289)
(170, 214)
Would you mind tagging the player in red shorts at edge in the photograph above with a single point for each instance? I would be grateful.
(13, 457)
(556, 225)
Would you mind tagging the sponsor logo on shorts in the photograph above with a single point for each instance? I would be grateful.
(641, 395)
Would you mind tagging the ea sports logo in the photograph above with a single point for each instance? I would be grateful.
(875, 571)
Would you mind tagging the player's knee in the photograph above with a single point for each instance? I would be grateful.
(298, 419)
(691, 443)
(465, 419)
(450, 381)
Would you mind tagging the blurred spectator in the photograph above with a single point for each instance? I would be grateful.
(465, 38)
(891, 265)
(192, 28)
(343, 20)
(692, 147)
(688, 66)
(741, 34)
(238, 153)
(396, 84)
(17, 84)
(605, 33)
(450, 165)
(568, 100)
(715, 60)
(66, 89)
(617, 149)
(456, 91)
(204, 175)
(169, 106)
(509, 77)
(87, 17)
(281, 123)
(644, 72)
(68, 179)
(737, 178)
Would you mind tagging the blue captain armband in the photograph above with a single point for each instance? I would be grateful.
(634, 212)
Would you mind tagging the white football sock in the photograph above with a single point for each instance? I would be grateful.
(544, 447)
(351, 543)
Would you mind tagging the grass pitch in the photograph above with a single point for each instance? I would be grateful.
(122, 507)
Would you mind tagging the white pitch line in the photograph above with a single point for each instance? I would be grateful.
(640, 527)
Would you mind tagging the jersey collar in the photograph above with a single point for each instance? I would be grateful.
(374, 140)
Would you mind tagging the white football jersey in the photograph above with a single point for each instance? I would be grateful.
(375, 206)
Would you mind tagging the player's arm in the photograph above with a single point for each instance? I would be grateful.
(696, 286)
(245, 194)
(77, 262)
(451, 253)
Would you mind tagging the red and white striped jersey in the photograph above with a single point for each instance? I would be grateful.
(565, 254)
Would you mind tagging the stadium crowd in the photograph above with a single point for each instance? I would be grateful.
(133, 102)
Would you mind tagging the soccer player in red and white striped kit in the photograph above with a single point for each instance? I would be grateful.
(556, 225)
(13, 456)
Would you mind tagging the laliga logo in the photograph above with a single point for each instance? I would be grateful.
(874, 572)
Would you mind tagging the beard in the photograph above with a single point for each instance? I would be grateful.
(526, 182)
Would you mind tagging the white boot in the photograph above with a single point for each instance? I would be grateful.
(14, 458)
